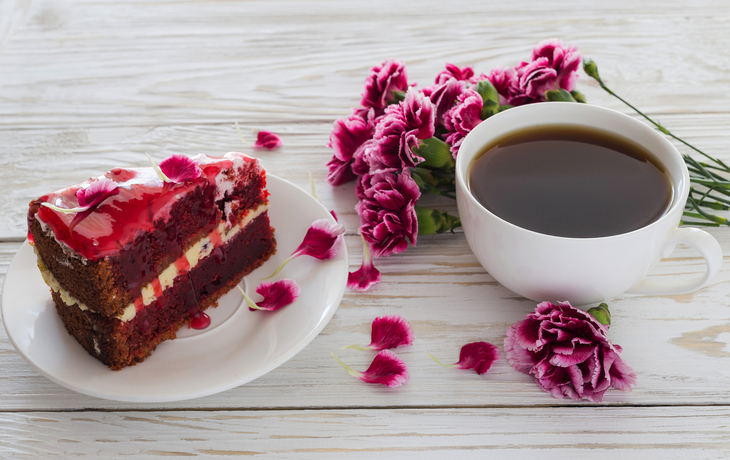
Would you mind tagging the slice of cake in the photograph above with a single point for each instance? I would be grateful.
(126, 272)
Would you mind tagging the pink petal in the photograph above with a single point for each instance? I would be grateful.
(334, 214)
(179, 168)
(478, 356)
(97, 192)
(277, 295)
(367, 275)
(320, 240)
(267, 140)
(387, 368)
(390, 332)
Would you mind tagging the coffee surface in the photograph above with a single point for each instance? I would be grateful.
(570, 181)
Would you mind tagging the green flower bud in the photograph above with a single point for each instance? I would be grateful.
(601, 314)
(435, 153)
(578, 96)
(591, 69)
(559, 95)
(433, 221)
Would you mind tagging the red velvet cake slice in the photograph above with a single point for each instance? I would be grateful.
(127, 271)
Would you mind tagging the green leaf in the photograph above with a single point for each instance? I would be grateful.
(559, 95)
(601, 314)
(398, 96)
(504, 107)
(433, 221)
(435, 153)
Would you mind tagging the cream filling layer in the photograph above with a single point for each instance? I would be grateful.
(153, 290)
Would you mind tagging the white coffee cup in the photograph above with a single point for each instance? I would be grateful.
(579, 270)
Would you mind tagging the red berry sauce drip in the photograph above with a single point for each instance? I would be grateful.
(198, 319)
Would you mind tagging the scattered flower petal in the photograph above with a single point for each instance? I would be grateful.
(179, 168)
(275, 295)
(334, 214)
(476, 355)
(387, 368)
(388, 332)
(267, 140)
(568, 353)
(90, 196)
(320, 242)
(367, 275)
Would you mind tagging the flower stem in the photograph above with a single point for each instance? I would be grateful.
(349, 370)
(439, 361)
(356, 347)
(280, 267)
(249, 301)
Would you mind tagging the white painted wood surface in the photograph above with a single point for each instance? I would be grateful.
(85, 86)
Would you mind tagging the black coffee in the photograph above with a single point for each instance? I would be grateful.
(570, 181)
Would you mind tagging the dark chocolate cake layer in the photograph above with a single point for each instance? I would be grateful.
(118, 343)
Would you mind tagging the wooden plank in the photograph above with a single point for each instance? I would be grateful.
(679, 345)
(552, 433)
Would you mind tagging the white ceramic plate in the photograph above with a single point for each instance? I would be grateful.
(239, 345)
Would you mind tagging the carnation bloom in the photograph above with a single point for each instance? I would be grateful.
(267, 140)
(383, 80)
(387, 368)
(346, 140)
(398, 133)
(536, 77)
(565, 60)
(506, 82)
(568, 353)
(462, 118)
(387, 212)
(275, 295)
(444, 95)
(367, 275)
(388, 332)
(463, 74)
(319, 242)
(476, 355)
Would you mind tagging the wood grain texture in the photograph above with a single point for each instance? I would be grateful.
(679, 345)
(554, 433)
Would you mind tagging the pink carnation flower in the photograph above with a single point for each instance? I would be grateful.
(346, 140)
(387, 212)
(568, 353)
(462, 118)
(565, 60)
(463, 74)
(399, 131)
(275, 295)
(506, 82)
(536, 77)
(444, 95)
(383, 80)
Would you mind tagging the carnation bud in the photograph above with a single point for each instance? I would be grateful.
(601, 314)
(578, 96)
(559, 95)
(435, 154)
(591, 69)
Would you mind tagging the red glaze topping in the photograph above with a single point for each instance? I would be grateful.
(199, 319)
(143, 200)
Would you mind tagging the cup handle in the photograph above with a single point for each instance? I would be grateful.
(695, 238)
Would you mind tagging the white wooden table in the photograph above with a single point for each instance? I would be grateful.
(89, 85)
